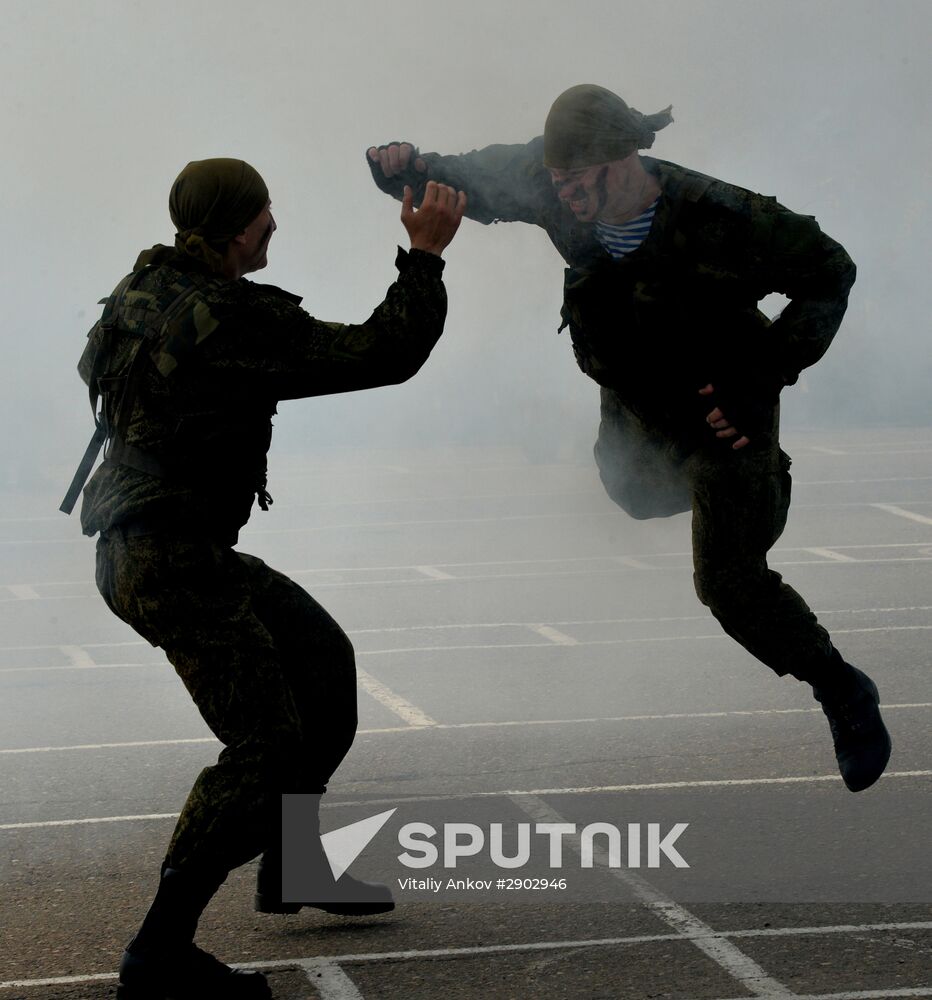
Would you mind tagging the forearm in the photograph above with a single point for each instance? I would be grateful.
(309, 357)
(391, 345)
(804, 330)
(789, 254)
(502, 182)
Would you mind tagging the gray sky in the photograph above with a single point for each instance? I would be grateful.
(823, 104)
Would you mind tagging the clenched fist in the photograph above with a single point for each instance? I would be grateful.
(395, 158)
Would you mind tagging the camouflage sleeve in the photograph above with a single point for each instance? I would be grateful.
(264, 342)
(794, 257)
(504, 183)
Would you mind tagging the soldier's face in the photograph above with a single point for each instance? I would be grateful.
(257, 236)
(596, 192)
(582, 190)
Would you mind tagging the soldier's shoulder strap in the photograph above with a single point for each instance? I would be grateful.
(686, 187)
(761, 208)
(142, 315)
(98, 343)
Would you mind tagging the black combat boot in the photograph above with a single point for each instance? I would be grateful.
(345, 896)
(162, 962)
(851, 704)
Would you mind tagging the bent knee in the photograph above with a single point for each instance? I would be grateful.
(732, 593)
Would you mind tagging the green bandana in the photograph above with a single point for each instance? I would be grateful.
(212, 201)
(589, 124)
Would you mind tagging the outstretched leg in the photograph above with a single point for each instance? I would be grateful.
(740, 503)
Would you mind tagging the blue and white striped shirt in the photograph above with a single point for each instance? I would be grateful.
(621, 240)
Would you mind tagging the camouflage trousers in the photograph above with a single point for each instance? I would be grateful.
(270, 671)
(739, 502)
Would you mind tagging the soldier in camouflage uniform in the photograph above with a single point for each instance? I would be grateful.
(190, 359)
(666, 267)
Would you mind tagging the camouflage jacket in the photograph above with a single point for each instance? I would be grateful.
(682, 309)
(195, 426)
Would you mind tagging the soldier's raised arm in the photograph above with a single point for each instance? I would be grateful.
(298, 355)
(506, 183)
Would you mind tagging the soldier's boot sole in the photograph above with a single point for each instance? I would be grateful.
(189, 975)
(347, 908)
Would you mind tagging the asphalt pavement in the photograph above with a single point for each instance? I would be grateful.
(530, 660)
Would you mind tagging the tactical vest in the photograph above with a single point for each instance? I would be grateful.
(213, 445)
(657, 324)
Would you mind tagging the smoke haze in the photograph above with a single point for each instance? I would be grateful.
(823, 105)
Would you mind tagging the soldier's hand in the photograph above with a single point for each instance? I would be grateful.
(434, 224)
(395, 158)
(722, 426)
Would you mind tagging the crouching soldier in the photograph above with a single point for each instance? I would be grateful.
(189, 360)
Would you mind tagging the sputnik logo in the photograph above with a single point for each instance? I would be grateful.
(344, 845)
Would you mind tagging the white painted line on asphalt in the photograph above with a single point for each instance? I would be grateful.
(310, 529)
(826, 451)
(391, 501)
(861, 562)
(632, 563)
(488, 646)
(392, 701)
(860, 482)
(581, 643)
(608, 561)
(78, 656)
(905, 925)
(876, 450)
(18, 520)
(119, 746)
(330, 981)
(900, 512)
(85, 645)
(517, 723)
(502, 724)
(726, 955)
(594, 492)
(451, 626)
(419, 522)
(554, 635)
(50, 597)
(433, 573)
(88, 821)
(23, 592)
(661, 786)
(918, 991)
(616, 789)
(101, 977)
(925, 555)
(879, 628)
(493, 949)
(523, 946)
(830, 554)
(821, 612)
(85, 666)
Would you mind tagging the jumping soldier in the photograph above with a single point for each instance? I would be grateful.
(666, 267)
